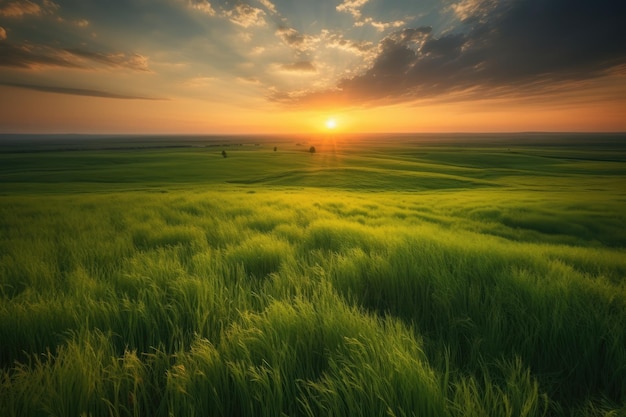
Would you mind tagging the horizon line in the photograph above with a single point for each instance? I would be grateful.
(335, 133)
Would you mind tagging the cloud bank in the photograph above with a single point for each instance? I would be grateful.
(501, 46)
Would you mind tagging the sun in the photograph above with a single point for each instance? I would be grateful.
(331, 124)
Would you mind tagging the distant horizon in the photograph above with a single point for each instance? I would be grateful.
(322, 134)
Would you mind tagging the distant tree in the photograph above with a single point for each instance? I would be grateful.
(224, 154)
(312, 149)
(275, 148)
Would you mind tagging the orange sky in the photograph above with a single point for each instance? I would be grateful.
(260, 66)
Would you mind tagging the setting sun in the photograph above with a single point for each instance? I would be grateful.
(331, 124)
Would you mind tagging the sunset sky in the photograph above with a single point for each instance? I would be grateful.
(288, 66)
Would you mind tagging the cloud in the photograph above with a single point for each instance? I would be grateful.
(379, 26)
(500, 48)
(3, 34)
(33, 57)
(135, 62)
(78, 91)
(269, 6)
(203, 6)
(82, 23)
(249, 80)
(28, 56)
(338, 41)
(353, 7)
(21, 8)
(362, 48)
(473, 9)
(300, 66)
(295, 39)
(246, 16)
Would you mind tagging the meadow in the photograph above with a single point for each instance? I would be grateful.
(398, 275)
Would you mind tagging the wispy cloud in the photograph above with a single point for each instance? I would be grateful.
(249, 80)
(82, 23)
(353, 7)
(134, 62)
(22, 55)
(78, 92)
(269, 6)
(28, 56)
(473, 9)
(203, 6)
(246, 16)
(18, 10)
(294, 39)
(21, 8)
(379, 26)
(3, 34)
(300, 66)
(336, 40)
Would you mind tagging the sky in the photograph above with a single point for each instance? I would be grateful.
(290, 66)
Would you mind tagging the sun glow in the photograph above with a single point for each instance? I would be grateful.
(331, 124)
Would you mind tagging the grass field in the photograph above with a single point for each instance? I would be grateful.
(407, 275)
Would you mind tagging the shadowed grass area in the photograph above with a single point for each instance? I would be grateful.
(502, 296)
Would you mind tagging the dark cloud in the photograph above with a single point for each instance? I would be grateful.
(77, 91)
(500, 46)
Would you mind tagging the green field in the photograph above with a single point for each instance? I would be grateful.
(406, 275)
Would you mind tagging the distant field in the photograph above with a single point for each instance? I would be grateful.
(425, 275)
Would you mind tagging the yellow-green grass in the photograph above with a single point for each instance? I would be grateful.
(243, 288)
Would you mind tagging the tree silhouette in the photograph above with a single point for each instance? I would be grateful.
(275, 148)
(312, 149)
(224, 154)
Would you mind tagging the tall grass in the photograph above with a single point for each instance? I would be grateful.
(147, 306)
(307, 302)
